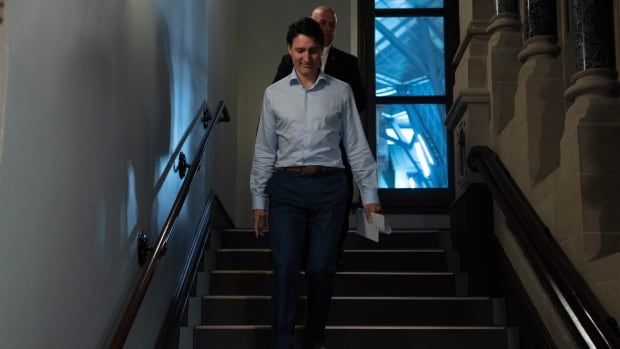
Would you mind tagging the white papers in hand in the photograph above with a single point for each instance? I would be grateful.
(371, 230)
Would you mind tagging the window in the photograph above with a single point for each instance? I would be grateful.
(406, 56)
(409, 4)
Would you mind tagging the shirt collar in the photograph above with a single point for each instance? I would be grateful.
(294, 80)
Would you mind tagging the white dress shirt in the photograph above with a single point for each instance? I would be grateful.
(300, 127)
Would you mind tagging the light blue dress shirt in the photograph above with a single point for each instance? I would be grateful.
(300, 127)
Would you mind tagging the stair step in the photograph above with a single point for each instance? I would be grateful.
(360, 337)
(435, 239)
(403, 292)
(353, 260)
(379, 311)
(394, 284)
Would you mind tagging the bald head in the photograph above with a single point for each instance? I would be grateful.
(326, 17)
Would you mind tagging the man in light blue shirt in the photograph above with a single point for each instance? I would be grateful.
(297, 179)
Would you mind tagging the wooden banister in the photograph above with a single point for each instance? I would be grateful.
(589, 323)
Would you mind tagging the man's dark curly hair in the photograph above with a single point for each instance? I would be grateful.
(308, 27)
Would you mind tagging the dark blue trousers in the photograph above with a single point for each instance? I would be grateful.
(301, 204)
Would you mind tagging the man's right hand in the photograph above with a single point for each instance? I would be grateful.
(260, 222)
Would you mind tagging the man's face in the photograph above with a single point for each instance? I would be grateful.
(327, 21)
(306, 55)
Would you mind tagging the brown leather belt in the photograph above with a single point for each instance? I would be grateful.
(310, 169)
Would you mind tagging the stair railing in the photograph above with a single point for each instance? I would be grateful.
(589, 323)
(151, 255)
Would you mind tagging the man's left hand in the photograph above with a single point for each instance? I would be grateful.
(371, 208)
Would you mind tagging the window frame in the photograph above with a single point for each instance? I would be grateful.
(395, 200)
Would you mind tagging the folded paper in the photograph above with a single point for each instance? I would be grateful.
(370, 230)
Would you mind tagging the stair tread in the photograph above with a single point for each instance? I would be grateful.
(386, 328)
(366, 259)
(361, 337)
(423, 238)
(390, 251)
(358, 311)
(401, 273)
(345, 283)
(404, 298)
(351, 231)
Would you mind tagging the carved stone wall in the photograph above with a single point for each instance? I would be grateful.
(556, 131)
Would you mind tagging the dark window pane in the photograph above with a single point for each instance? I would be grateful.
(409, 56)
(411, 146)
(408, 3)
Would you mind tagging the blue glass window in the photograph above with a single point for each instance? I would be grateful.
(408, 3)
(411, 146)
(409, 56)
(410, 96)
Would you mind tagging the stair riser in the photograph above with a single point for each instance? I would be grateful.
(361, 339)
(246, 239)
(352, 261)
(344, 285)
(358, 312)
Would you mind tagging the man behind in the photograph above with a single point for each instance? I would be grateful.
(297, 171)
(342, 66)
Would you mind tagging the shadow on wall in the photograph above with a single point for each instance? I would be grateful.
(158, 92)
(599, 144)
(136, 134)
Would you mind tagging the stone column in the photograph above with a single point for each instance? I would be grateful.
(540, 32)
(536, 130)
(589, 178)
(594, 49)
(505, 6)
(502, 63)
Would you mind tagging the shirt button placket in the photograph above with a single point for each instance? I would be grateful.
(306, 135)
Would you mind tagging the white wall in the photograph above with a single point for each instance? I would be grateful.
(3, 59)
(262, 42)
(99, 94)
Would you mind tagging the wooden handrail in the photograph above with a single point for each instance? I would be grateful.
(214, 216)
(124, 325)
(590, 325)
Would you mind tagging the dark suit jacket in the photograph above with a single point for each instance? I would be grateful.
(341, 65)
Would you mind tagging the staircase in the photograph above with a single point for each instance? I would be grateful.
(405, 292)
